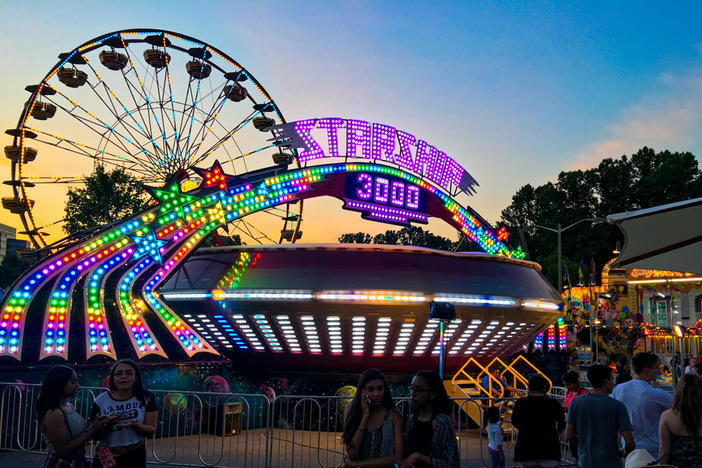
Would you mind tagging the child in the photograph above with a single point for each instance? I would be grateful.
(494, 431)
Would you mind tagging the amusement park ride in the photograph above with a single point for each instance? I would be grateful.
(195, 125)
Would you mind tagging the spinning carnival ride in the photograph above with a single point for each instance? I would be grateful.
(102, 294)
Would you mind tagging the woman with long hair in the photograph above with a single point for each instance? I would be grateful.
(372, 425)
(680, 427)
(430, 437)
(132, 411)
(63, 430)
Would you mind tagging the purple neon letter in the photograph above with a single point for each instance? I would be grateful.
(404, 158)
(313, 150)
(452, 174)
(358, 133)
(436, 170)
(383, 142)
(332, 124)
(424, 159)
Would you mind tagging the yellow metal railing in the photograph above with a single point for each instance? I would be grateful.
(521, 358)
(463, 377)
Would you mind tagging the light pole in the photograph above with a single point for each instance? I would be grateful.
(558, 230)
(679, 331)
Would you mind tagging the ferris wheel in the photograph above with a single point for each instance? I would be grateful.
(155, 104)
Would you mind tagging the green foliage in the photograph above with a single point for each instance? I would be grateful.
(355, 238)
(642, 180)
(10, 269)
(105, 197)
(412, 235)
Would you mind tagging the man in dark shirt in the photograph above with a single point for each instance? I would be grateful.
(595, 419)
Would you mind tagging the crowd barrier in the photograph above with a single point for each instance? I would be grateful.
(246, 430)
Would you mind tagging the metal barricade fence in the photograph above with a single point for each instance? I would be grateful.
(248, 430)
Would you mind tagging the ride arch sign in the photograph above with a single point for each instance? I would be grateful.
(361, 140)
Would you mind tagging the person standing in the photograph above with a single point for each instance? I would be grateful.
(494, 433)
(644, 403)
(573, 388)
(539, 419)
(595, 420)
(430, 438)
(573, 361)
(63, 430)
(133, 410)
(372, 425)
(689, 369)
(681, 426)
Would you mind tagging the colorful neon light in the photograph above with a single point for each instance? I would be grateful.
(562, 334)
(427, 162)
(551, 337)
(539, 341)
(169, 232)
(231, 278)
(98, 338)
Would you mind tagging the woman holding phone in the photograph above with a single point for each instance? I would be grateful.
(372, 425)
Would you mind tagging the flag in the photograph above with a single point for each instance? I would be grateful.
(581, 274)
(566, 275)
(592, 272)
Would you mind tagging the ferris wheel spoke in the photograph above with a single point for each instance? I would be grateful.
(276, 212)
(252, 231)
(117, 114)
(244, 155)
(79, 147)
(145, 124)
(176, 144)
(209, 122)
(146, 99)
(160, 91)
(227, 136)
(94, 123)
(191, 117)
(112, 97)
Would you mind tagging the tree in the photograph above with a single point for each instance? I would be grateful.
(412, 235)
(104, 198)
(641, 180)
(355, 238)
(10, 269)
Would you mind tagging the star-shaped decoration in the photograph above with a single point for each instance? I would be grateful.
(148, 245)
(519, 253)
(217, 213)
(262, 189)
(502, 234)
(214, 176)
(171, 199)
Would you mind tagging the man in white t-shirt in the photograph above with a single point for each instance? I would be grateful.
(644, 402)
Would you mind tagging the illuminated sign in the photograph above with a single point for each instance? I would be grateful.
(374, 142)
(385, 198)
(637, 273)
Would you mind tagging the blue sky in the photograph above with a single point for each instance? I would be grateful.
(515, 91)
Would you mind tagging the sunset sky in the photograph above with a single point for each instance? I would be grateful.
(514, 91)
